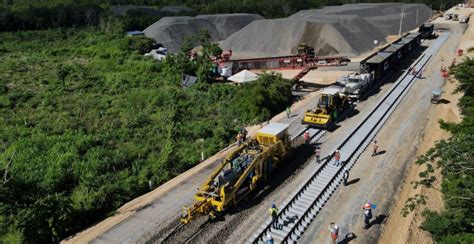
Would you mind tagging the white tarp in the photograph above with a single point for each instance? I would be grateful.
(243, 76)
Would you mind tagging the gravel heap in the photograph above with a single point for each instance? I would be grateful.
(349, 29)
(228, 24)
(172, 31)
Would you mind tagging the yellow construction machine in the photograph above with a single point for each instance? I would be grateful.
(332, 104)
(240, 173)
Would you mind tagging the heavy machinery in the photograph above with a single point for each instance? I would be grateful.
(455, 17)
(427, 31)
(356, 84)
(333, 103)
(436, 96)
(240, 173)
(305, 51)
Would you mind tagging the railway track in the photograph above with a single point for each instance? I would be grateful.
(297, 212)
(178, 234)
(189, 237)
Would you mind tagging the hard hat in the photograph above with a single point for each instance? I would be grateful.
(367, 206)
(273, 205)
(337, 150)
(336, 227)
(269, 237)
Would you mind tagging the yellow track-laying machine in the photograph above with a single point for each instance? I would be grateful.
(333, 103)
(240, 173)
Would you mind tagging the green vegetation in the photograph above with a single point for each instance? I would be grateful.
(455, 158)
(88, 124)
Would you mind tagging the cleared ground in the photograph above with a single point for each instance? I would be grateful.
(377, 179)
(399, 229)
(152, 215)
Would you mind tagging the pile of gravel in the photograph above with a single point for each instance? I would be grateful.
(349, 29)
(228, 24)
(172, 31)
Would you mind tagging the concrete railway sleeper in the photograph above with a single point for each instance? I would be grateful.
(304, 204)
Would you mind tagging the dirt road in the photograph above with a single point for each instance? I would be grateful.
(377, 179)
(399, 229)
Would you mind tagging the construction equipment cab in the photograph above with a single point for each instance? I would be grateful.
(239, 174)
(333, 103)
(305, 51)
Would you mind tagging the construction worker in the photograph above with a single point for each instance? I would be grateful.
(244, 134)
(376, 147)
(274, 214)
(345, 176)
(334, 230)
(306, 137)
(288, 112)
(317, 153)
(337, 158)
(269, 239)
(420, 74)
(367, 214)
(239, 138)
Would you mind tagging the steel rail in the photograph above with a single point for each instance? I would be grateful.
(299, 210)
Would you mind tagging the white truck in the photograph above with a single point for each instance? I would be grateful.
(354, 85)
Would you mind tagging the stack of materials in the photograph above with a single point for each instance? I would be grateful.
(172, 31)
(350, 29)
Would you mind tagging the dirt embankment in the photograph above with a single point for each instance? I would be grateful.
(399, 229)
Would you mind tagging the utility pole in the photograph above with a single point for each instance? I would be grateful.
(401, 23)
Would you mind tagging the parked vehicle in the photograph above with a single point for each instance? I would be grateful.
(332, 106)
(356, 84)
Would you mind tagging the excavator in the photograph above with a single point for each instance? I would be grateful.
(333, 103)
(252, 163)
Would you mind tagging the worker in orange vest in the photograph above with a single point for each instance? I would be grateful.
(306, 137)
(334, 230)
(337, 158)
(367, 214)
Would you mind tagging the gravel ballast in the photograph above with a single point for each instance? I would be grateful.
(172, 31)
(349, 29)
